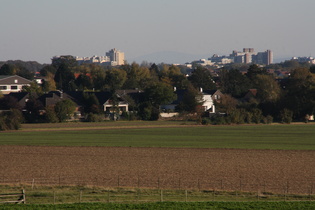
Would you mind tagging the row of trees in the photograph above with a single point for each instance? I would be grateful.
(275, 99)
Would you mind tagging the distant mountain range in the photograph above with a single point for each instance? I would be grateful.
(171, 57)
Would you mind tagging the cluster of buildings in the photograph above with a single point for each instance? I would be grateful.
(247, 56)
(310, 60)
(113, 57)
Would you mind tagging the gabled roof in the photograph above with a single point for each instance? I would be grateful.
(212, 92)
(11, 79)
(19, 95)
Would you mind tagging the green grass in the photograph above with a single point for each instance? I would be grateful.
(285, 137)
(42, 197)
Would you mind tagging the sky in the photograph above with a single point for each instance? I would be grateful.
(37, 30)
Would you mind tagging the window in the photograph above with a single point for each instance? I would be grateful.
(3, 87)
(14, 87)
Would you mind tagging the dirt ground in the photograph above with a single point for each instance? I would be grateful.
(205, 169)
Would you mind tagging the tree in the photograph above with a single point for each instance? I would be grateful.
(115, 79)
(50, 115)
(8, 69)
(255, 70)
(159, 93)
(201, 78)
(268, 89)
(33, 110)
(64, 109)
(47, 69)
(137, 76)
(300, 93)
(191, 100)
(34, 89)
(233, 82)
(92, 104)
(64, 77)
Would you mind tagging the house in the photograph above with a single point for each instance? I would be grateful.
(250, 94)
(53, 97)
(21, 98)
(105, 99)
(12, 83)
(206, 100)
(216, 95)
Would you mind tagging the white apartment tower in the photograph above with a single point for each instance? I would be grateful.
(116, 56)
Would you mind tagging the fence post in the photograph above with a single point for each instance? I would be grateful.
(186, 195)
(54, 197)
(33, 183)
(80, 198)
(161, 196)
(138, 195)
(311, 191)
(24, 198)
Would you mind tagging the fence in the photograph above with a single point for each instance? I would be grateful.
(86, 195)
(224, 184)
(13, 197)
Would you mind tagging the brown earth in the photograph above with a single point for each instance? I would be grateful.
(205, 169)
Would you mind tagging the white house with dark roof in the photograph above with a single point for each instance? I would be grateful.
(12, 83)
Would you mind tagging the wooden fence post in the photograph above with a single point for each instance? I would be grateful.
(186, 196)
(107, 196)
(24, 198)
(33, 183)
(161, 196)
(54, 197)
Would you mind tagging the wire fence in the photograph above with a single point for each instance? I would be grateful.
(283, 186)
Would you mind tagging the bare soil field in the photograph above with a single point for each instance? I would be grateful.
(276, 171)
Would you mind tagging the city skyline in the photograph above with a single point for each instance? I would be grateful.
(39, 30)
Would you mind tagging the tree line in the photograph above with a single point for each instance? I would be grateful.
(283, 100)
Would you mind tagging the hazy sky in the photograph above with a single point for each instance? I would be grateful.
(39, 29)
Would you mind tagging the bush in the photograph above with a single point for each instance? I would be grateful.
(11, 120)
(286, 116)
(50, 116)
(268, 119)
(94, 118)
(205, 121)
(248, 117)
(257, 115)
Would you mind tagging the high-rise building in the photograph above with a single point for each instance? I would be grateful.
(250, 56)
(116, 56)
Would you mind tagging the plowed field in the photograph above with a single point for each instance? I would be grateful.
(205, 169)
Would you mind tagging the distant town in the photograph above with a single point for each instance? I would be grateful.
(243, 87)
